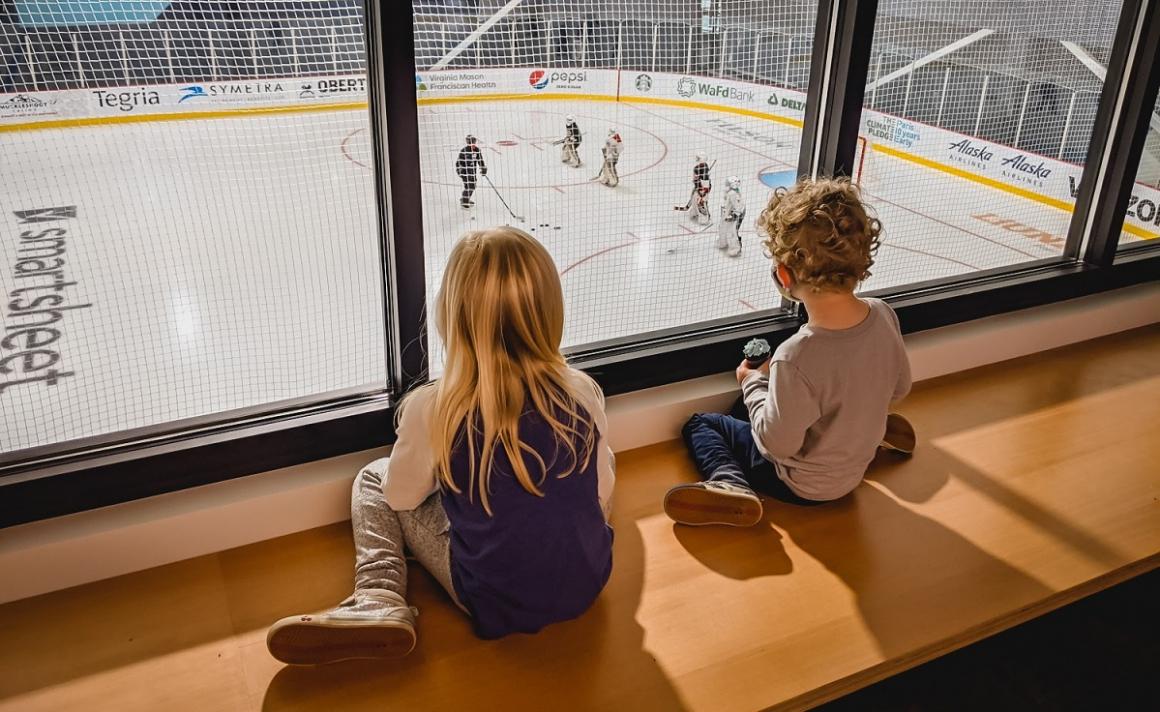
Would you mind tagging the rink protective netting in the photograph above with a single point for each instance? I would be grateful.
(185, 268)
(232, 264)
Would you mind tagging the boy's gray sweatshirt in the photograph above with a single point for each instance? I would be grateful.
(821, 413)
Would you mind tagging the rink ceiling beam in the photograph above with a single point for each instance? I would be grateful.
(475, 34)
(932, 57)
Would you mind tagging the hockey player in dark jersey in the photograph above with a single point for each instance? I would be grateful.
(702, 184)
(470, 158)
(698, 204)
(570, 154)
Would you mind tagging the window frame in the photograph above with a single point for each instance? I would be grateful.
(843, 37)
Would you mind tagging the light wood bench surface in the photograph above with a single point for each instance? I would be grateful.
(1036, 482)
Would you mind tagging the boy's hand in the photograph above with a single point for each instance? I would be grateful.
(744, 370)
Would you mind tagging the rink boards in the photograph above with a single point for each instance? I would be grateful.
(1017, 173)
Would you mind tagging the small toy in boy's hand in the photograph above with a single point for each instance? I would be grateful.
(756, 352)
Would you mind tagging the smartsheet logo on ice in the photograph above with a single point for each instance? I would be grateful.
(34, 316)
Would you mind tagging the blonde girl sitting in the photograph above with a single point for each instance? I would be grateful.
(499, 482)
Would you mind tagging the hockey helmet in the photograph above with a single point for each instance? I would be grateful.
(700, 156)
(570, 119)
(470, 139)
(733, 183)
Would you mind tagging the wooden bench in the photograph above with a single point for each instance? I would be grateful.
(1036, 482)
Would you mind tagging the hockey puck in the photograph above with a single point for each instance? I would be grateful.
(556, 228)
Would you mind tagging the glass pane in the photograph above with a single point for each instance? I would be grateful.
(1142, 222)
(188, 226)
(975, 130)
(669, 80)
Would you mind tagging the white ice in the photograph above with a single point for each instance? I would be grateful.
(233, 263)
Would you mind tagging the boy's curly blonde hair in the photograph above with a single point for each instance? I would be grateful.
(822, 232)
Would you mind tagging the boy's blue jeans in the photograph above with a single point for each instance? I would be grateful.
(724, 451)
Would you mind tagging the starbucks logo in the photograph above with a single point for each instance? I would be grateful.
(643, 82)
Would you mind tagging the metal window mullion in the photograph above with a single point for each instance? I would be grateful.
(906, 96)
(1022, 114)
(756, 53)
(394, 124)
(942, 101)
(688, 51)
(124, 57)
(837, 86)
(77, 58)
(1118, 135)
(788, 59)
(721, 61)
(333, 35)
(1066, 125)
(619, 47)
(656, 36)
(513, 44)
(583, 43)
(877, 73)
(169, 56)
(982, 103)
(254, 52)
(30, 61)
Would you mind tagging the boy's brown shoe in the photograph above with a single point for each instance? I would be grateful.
(899, 435)
(713, 503)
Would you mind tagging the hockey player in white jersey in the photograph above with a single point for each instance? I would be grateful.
(612, 148)
(570, 153)
(732, 213)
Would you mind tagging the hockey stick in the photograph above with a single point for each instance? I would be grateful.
(509, 209)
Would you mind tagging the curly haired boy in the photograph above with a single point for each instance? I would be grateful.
(818, 407)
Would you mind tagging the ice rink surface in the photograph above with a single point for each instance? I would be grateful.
(233, 263)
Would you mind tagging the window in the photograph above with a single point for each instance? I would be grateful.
(663, 82)
(1142, 221)
(189, 229)
(975, 130)
(199, 282)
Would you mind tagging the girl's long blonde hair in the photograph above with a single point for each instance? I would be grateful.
(500, 312)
